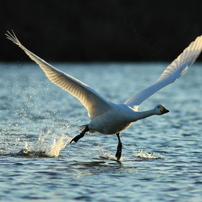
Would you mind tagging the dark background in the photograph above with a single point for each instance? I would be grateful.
(100, 30)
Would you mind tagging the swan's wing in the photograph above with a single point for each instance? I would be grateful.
(91, 100)
(174, 71)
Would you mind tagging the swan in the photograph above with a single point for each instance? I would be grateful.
(107, 117)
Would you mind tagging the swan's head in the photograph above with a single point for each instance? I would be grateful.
(160, 109)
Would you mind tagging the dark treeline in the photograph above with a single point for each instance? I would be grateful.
(94, 30)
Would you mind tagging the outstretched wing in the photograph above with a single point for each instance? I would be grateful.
(174, 71)
(92, 101)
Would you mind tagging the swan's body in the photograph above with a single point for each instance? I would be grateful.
(107, 117)
(118, 118)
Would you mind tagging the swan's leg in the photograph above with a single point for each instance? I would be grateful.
(119, 147)
(75, 139)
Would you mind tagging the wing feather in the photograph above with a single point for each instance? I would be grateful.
(173, 72)
(92, 101)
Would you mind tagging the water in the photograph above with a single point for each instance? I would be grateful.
(162, 155)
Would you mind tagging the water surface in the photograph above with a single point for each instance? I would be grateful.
(162, 155)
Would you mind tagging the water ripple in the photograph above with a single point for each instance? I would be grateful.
(161, 155)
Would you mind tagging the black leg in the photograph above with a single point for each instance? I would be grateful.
(119, 148)
(75, 139)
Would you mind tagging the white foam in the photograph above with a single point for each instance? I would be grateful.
(107, 155)
(144, 155)
(44, 148)
(58, 145)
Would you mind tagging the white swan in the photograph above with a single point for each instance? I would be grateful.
(107, 117)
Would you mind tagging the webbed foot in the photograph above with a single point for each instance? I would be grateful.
(75, 139)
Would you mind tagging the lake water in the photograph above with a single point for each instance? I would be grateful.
(162, 155)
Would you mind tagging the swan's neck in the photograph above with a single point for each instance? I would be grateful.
(145, 114)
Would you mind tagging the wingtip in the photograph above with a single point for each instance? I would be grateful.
(10, 35)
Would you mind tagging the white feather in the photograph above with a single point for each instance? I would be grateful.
(173, 72)
(94, 103)
(106, 117)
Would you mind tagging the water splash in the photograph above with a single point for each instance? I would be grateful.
(107, 155)
(144, 155)
(42, 148)
(58, 145)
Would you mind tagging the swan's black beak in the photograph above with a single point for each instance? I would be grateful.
(165, 111)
